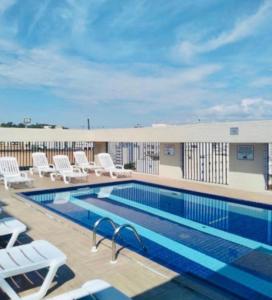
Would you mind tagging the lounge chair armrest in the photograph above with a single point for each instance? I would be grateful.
(64, 172)
(77, 169)
(24, 174)
(117, 166)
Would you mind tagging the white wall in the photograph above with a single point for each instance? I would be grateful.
(249, 132)
(243, 174)
(247, 174)
(170, 165)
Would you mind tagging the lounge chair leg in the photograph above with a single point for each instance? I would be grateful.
(53, 176)
(46, 284)
(30, 184)
(97, 173)
(6, 185)
(6, 288)
(65, 180)
(112, 176)
(13, 239)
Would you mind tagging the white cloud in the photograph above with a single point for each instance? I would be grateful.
(83, 81)
(262, 81)
(247, 108)
(242, 29)
(38, 16)
(5, 4)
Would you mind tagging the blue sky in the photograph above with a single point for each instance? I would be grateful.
(123, 62)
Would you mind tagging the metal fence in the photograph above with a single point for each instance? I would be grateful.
(23, 150)
(207, 162)
(199, 161)
(143, 157)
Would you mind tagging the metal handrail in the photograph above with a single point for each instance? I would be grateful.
(117, 233)
(96, 224)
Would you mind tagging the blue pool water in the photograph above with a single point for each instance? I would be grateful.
(220, 240)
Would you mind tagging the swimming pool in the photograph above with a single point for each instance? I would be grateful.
(221, 240)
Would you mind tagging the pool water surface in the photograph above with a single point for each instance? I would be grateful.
(223, 241)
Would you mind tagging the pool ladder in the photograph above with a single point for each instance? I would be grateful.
(96, 224)
(116, 233)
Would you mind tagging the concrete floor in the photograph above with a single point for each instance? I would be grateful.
(135, 275)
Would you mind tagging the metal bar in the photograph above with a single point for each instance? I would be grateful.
(97, 223)
(117, 233)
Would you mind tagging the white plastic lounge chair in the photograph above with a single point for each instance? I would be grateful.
(10, 172)
(95, 289)
(27, 258)
(40, 164)
(13, 227)
(108, 166)
(65, 170)
(83, 163)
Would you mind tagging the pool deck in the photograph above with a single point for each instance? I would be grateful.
(138, 277)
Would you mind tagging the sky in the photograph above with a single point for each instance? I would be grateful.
(127, 62)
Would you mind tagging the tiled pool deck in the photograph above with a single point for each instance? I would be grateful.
(135, 275)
